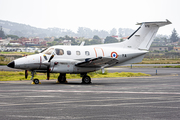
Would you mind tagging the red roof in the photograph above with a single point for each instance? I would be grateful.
(115, 36)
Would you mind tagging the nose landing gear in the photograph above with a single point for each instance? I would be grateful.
(35, 81)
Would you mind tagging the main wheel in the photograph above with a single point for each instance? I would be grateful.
(62, 79)
(86, 79)
(36, 81)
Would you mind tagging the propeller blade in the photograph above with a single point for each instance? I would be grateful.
(51, 58)
(48, 73)
(26, 74)
(48, 70)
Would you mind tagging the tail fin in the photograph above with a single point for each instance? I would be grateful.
(144, 35)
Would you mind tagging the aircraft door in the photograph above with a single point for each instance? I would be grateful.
(99, 52)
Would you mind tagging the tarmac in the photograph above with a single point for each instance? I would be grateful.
(142, 98)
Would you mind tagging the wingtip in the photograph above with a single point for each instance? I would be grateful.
(168, 21)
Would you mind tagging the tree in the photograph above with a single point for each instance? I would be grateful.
(113, 31)
(15, 37)
(96, 40)
(56, 39)
(81, 32)
(174, 36)
(93, 42)
(2, 35)
(87, 42)
(110, 39)
(124, 32)
(121, 40)
(96, 37)
(120, 32)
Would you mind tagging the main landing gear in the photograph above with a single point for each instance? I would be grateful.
(62, 78)
(35, 81)
(85, 79)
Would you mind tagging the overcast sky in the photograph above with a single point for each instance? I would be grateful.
(94, 14)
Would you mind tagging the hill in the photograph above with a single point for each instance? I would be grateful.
(23, 30)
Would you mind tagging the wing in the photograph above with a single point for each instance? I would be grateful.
(97, 62)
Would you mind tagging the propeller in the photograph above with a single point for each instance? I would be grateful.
(51, 58)
(26, 74)
(48, 67)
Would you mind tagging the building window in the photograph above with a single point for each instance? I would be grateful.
(78, 53)
(59, 51)
(68, 52)
(87, 53)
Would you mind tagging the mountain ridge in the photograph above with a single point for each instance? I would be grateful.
(24, 30)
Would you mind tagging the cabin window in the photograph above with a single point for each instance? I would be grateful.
(87, 53)
(68, 52)
(59, 51)
(48, 51)
(78, 53)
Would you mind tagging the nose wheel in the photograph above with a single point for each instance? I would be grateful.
(35, 81)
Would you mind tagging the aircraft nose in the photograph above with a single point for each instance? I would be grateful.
(11, 64)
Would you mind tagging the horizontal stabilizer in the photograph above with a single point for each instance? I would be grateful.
(159, 23)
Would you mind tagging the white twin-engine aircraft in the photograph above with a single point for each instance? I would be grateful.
(84, 59)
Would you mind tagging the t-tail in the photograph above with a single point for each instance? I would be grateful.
(143, 37)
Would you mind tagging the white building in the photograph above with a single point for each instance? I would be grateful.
(5, 41)
(67, 42)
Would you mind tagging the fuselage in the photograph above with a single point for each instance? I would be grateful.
(65, 58)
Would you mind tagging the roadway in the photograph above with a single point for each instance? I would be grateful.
(151, 71)
(155, 97)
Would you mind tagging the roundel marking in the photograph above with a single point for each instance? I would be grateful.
(114, 55)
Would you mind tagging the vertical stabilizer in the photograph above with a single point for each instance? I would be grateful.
(144, 35)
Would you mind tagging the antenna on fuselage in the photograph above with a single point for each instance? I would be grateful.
(82, 44)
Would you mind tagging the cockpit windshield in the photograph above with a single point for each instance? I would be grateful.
(59, 51)
(43, 50)
(48, 51)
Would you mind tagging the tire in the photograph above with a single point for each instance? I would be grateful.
(62, 79)
(86, 79)
(36, 81)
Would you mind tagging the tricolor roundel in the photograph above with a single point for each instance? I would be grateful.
(114, 55)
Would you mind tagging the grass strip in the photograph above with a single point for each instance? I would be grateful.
(16, 76)
(16, 53)
(169, 66)
(160, 61)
